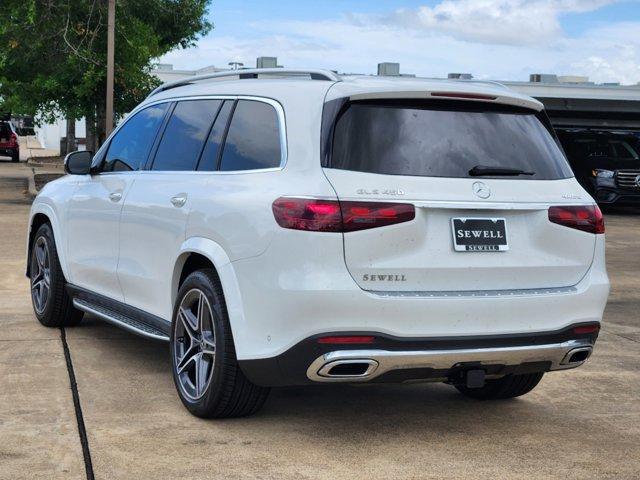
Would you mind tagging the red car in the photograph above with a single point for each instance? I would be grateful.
(9, 141)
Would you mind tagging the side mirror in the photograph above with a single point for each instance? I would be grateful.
(78, 163)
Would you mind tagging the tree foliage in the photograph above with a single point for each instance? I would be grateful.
(53, 53)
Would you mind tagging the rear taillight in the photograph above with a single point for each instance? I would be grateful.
(587, 218)
(333, 216)
(13, 140)
(587, 329)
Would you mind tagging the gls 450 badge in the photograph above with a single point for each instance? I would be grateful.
(384, 191)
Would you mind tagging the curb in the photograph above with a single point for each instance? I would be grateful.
(31, 180)
(44, 164)
(32, 183)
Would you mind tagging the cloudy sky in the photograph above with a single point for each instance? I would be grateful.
(499, 39)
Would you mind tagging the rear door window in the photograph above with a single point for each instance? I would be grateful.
(444, 140)
(184, 137)
(253, 139)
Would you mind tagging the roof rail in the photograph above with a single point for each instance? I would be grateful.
(315, 74)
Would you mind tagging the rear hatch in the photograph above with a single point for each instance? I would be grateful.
(482, 228)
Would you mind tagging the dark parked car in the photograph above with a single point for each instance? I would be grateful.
(9, 141)
(606, 163)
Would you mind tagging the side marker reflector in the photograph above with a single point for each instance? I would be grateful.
(347, 340)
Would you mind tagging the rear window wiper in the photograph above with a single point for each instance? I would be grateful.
(484, 170)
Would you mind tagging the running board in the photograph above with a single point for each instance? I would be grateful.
(119, 320)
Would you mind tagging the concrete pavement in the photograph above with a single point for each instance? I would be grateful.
(577, 424)
(38, 430)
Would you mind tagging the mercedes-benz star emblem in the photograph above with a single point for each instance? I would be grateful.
(481, 189)
(637, 181)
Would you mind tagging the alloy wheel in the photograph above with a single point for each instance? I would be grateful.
(40, 274)
(194, 351)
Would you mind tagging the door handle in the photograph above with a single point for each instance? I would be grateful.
(179, 200)
(115, 196)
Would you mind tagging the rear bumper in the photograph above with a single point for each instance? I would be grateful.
(366, 365)
(390, 359)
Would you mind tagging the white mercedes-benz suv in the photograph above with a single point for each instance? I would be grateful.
(284, 227)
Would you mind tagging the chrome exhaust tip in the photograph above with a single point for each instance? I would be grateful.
(577, 356)
(348, 369)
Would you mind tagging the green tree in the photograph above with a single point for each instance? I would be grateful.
(53, 54)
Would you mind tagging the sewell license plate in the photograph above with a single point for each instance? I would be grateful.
(479, 234)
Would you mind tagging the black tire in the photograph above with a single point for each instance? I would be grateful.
(15, 157)
(509, 386)
(57, 309)
(228, 392)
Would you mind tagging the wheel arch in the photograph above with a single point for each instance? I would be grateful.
(41, 214)
(196, 253)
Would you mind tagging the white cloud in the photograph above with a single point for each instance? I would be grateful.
(357, 43)
(512, 22)
(606, 54)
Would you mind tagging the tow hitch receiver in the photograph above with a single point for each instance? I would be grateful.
(475, 378)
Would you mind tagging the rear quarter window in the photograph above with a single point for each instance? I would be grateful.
(253, 140)
(444, 139)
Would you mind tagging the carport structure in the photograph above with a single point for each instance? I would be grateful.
(585, 105)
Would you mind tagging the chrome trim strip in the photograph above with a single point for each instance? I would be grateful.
(446, 359)
(493, 205)
(85, 307)
(201, 172)
(475, 205)
(523, 292)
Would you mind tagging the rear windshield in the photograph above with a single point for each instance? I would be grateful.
(436, 140)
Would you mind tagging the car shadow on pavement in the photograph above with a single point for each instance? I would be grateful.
(121, 355)
(408, 407)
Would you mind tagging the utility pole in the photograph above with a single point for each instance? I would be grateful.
(111, 22)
